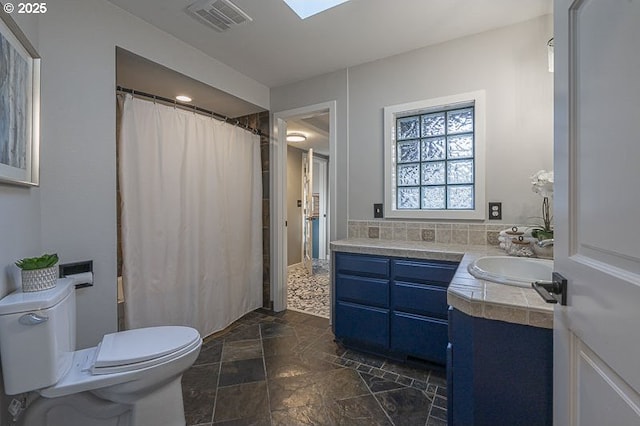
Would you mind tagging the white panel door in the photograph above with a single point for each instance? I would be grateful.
(307, 207)
(597, 212)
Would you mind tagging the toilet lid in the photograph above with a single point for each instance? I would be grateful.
(131, 349)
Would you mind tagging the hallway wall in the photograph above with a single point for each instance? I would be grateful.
(294, 193)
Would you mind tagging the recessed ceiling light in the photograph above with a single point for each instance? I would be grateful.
(306, 8)
(296, 137)
(183, 98)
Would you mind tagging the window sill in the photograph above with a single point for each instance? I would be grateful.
(435, 214)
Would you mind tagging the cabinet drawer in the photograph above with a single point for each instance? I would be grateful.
(357, 264)
(370, 291)
(420, 299)
(422, 337)
(363, 324)
(439, 273)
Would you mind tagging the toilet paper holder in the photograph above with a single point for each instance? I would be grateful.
(80, 272)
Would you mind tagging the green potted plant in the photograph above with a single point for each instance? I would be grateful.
(39, 273)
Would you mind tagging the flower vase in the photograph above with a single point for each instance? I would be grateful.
(543, 252)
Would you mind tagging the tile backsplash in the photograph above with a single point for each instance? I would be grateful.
(438, 232)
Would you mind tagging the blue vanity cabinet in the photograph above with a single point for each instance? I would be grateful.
(362, 300)
(419, 324)
(498, 373)
(392, 306)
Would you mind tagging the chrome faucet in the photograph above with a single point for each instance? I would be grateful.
(545, 243)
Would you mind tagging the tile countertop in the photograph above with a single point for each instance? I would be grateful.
(475, 297)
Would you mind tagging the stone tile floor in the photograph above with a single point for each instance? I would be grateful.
(309, 293)
(285, 369)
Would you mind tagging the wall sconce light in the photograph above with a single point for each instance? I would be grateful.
(550, 53)
(296, 137)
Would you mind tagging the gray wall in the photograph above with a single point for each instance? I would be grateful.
(509, 63)
(19, 218)
(325, 88)
(20, 206)
(74, 211)
(294, 193)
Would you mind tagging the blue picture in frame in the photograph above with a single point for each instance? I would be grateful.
(19, 106)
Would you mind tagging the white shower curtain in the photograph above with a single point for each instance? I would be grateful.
(191, 218)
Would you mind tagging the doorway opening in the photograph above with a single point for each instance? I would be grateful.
(307, 215)
(302, 209)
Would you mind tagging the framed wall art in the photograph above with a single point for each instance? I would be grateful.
(19, 106)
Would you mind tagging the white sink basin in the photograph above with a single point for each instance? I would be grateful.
(517, 271)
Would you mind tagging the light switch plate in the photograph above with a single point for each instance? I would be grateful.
(377, 211)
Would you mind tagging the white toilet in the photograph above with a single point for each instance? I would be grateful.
(132, 378)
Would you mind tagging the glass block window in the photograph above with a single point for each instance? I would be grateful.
(435, 159)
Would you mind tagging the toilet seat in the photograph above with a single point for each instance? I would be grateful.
(80, 376)
(140, 348)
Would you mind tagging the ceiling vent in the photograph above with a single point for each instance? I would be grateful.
(219, 14)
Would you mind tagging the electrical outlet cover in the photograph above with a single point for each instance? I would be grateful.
(495, 211)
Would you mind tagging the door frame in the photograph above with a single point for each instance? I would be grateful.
(278, 191)
(323, 247)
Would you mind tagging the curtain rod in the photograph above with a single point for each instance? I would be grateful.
(194, 108)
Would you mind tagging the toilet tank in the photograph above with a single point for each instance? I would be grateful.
(37, 337)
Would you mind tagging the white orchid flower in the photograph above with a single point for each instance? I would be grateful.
(542, 183)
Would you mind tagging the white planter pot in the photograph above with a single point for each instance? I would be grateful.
(39, 279)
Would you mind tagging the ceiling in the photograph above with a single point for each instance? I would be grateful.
(142, 75)
(278, 47)
(316, 129)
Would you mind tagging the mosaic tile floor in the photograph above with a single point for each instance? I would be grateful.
(285, 369)
(309, 294)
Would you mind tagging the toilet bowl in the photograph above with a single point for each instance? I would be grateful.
(131, 378)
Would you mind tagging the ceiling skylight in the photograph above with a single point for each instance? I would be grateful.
(306, 8)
